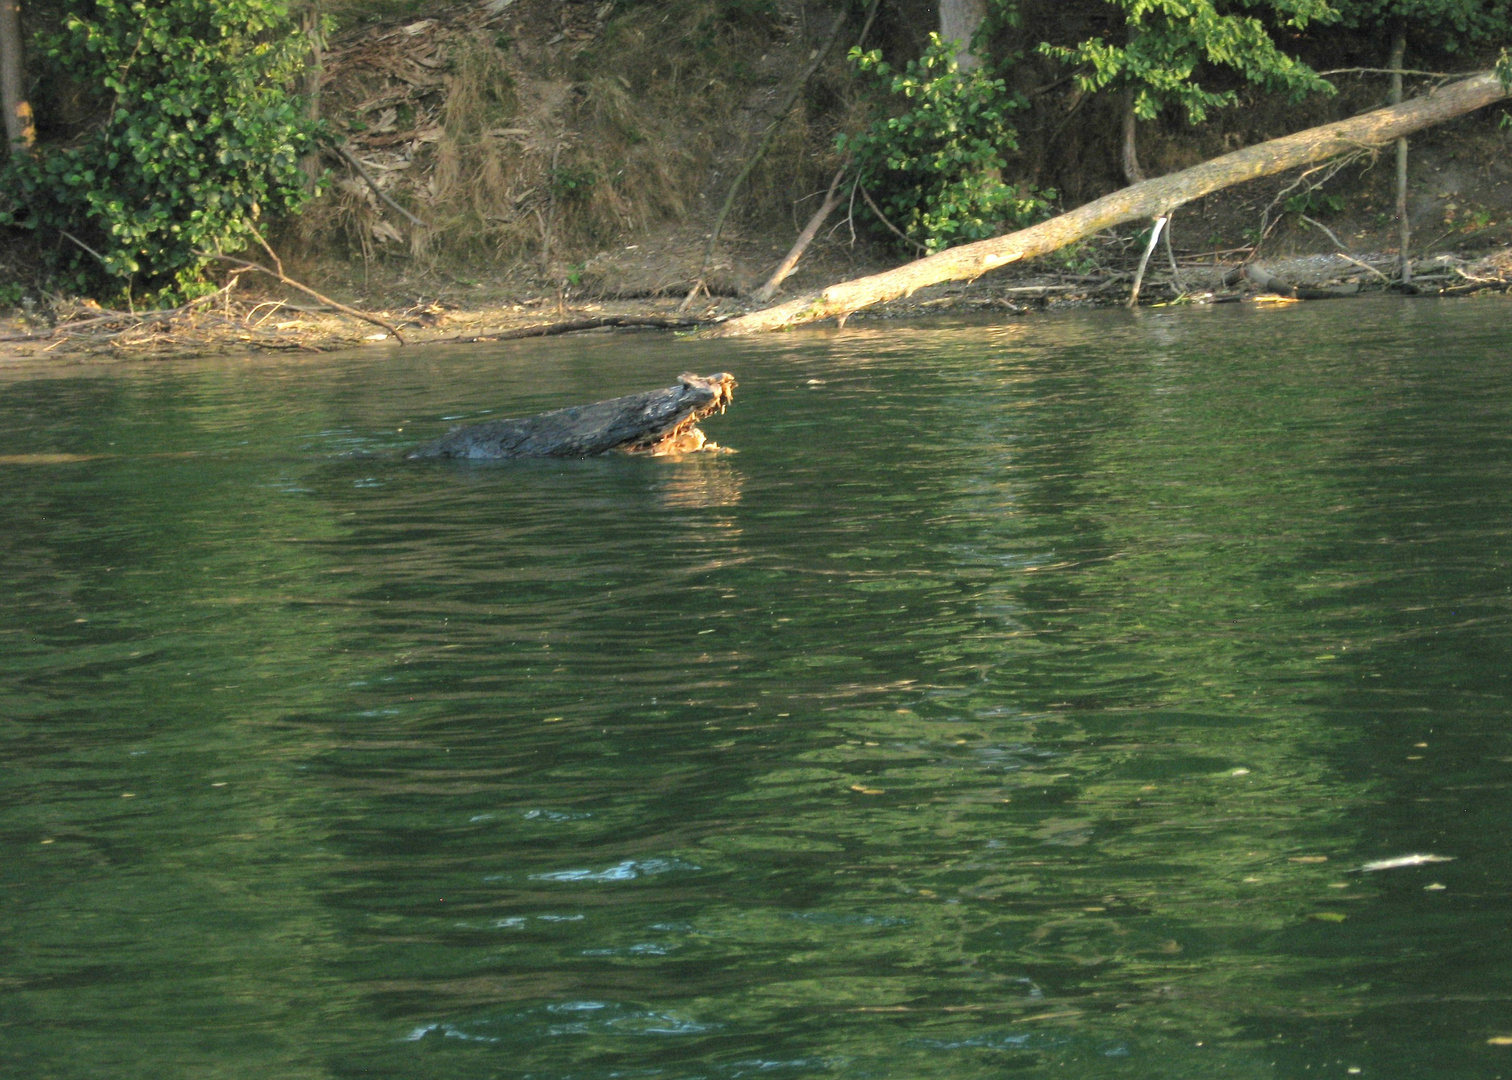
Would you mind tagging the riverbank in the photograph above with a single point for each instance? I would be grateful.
(498, 173)
(250, 321)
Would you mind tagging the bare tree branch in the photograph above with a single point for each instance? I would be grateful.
(899, 233)
(770, 137)
(351, 159)
(790, 260)
(245, 266)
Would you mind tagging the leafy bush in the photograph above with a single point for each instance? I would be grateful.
(936, 170)
(1168, 42)
(568, 183)
(1448, 26)
(198, 135)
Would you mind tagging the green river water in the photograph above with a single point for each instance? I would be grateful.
(1019, 700)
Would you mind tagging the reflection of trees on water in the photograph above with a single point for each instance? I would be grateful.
(177, 595)
(1083, 746)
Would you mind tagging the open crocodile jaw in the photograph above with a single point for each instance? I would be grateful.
(712, 394)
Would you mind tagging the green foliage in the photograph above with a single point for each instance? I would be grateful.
(1504, 70)
(1169, 41)
(1478, 218)
(11, 294)
(1314, 204)
(1447, 25)
(936, 169)
(569, 183)
(198, 135)
(1078, 258)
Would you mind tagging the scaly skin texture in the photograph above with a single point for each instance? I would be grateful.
(654, 422)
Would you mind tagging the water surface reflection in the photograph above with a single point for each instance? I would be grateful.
(1017, 698)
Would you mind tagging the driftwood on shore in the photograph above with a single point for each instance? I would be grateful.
(655, 422)
(1150, 199)
(572, 326)
(1270, 283)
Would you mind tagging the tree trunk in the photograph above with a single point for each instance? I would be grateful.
(1129, 156)
(313, 26)
(959, 22)
(20, 134)
(655, 422)
(1153, 198)
(1404, 225)
(1131, 170)
(806, 237)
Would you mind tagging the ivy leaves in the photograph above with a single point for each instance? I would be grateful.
(197, 134)
(937, 166)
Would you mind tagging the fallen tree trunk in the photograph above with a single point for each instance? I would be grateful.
(572, 326)
(655, 422)
(1153, 198)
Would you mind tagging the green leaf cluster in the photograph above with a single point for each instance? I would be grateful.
(936, 169)
(198, 135)
(1314, 203)
(1446, 25)
(1168, 42)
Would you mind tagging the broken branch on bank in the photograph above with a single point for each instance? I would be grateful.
(121, 322)
(1153, 198)
(1144, 260)
(572, 326)
(243, 265)
(1267, 282)
(794, 92)
(806, 237)
(352, 160)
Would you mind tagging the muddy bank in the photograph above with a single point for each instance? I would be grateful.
(230, 324)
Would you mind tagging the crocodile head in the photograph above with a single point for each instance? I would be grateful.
(702, 396)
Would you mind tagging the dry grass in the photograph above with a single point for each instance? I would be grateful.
(533, 138)
(480, 175)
